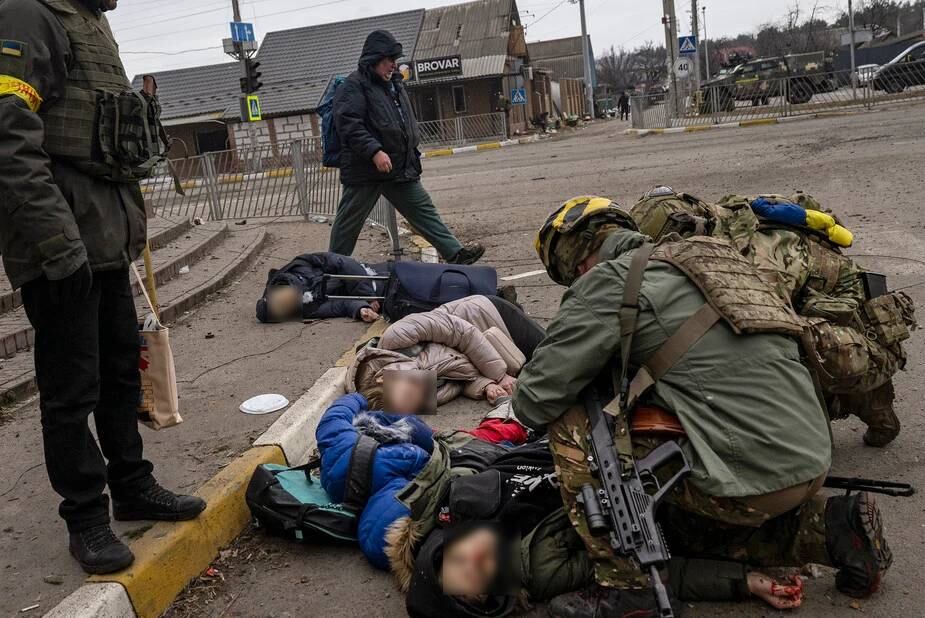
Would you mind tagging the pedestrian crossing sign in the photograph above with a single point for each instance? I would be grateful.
(253, 108)
(519, 96)
(687, 44)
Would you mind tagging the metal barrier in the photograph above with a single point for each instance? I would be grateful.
(266, 181)
(758, 99)
(464, 129)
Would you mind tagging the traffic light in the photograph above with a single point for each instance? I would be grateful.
(251, 83)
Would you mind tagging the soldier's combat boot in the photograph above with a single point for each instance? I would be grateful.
(157, 503)
(856, 545)
(99, 551)
(597, 601)
(882, 423)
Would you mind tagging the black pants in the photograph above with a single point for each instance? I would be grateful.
(525, 333)
(86, 360)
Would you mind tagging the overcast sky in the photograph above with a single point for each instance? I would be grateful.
(172, 26)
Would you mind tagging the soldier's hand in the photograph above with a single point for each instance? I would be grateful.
(74, 287)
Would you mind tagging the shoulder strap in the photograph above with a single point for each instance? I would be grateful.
(360, 475)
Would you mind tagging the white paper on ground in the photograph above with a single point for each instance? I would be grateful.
(264, 404)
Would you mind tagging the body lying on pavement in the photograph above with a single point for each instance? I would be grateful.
(294, 291)
(744, 407)
(855, 333)
(465, 342)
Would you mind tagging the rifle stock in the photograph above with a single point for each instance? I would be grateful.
(622, 507)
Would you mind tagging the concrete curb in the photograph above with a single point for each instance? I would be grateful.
(170, 555)
(446, 152)
(755, 122)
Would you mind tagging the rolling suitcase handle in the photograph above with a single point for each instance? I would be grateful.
(326, 278)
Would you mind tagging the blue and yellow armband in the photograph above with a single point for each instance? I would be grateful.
(792, 214)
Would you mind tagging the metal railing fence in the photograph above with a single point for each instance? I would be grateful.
(776, 98)
(265, 181)
(464, 129)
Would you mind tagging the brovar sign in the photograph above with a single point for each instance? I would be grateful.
(438, 67)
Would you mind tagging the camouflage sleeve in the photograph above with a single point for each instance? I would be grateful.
(696, 579)
(33, 70)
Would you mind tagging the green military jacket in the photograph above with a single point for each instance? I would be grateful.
(53, 217)
(747, 404)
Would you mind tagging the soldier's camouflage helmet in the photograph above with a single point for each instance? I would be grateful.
(661, 209)
(571, 232)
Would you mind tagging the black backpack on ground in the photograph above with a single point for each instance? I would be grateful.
(291, 502)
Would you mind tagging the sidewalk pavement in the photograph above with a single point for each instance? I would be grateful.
(240, 359)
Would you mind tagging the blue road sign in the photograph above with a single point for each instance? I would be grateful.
(519, 96)
(242, 32)
(687, 45)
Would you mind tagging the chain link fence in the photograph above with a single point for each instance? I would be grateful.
(757, 99)
(464, 129)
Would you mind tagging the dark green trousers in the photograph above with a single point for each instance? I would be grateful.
(409, 198)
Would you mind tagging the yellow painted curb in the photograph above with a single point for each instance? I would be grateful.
(657, 131)
(230, 179)
(758, 122)
(280, 173)
(169, 555)
(188, 184)
(439, 153)
(698, 127)
(375, 330)
(489, 146)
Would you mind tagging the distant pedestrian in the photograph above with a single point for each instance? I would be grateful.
(623, 105)
(380, 138)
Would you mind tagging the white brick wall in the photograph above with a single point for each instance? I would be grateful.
(288, 128)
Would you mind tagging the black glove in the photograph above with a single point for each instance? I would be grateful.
(74, 287)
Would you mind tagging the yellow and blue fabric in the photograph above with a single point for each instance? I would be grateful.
(789, 213)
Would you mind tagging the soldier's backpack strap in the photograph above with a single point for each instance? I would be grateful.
(360, 474)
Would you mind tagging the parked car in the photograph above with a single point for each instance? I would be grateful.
(905, 70)
(866, 73)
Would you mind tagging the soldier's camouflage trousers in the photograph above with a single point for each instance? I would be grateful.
(782, 529)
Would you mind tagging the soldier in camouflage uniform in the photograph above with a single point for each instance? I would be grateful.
(74, 140)
(854, 344)
(738, 400)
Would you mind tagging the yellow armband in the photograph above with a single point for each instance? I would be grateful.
(21, 89)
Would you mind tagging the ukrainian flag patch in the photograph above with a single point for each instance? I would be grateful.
(12, 48)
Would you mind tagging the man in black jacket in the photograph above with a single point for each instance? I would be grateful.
(380, 154)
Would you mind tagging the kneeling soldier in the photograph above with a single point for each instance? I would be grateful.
(717, 368)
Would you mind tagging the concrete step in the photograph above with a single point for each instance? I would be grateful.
(16, 332)
(161, 232)
(225, 262)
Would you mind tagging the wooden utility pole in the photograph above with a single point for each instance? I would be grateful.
(588, 59)
(671, 48)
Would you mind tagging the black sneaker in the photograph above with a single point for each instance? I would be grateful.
(157, 503)
(855, 542)
(99, 551)
(597, 601)
(469, 254)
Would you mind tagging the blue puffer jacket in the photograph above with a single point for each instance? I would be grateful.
(405, 445)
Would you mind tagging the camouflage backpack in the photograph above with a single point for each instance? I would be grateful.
(662, 211)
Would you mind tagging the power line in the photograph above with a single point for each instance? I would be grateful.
(176, 53)
(541, 17)
(136, 25)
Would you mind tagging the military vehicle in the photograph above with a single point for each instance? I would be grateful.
(797, 77)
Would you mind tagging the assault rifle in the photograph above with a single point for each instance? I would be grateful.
(622, 508)
(887, 488)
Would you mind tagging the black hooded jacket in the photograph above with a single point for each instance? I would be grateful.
(368, 119)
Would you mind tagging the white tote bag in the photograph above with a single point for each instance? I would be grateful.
(160, 403)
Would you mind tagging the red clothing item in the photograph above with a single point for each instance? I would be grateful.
(497, 430)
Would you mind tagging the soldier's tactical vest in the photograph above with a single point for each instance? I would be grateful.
(663, 211)
(100, 125)
(731, 286)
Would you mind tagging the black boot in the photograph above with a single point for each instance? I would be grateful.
(469, 254)
(99, 551)
(855, 542)
(597, 601)
(157, 503)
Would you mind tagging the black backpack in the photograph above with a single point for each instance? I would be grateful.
(291, 502)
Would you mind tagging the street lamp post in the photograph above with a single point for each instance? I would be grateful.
(706, 47)
(854, 68)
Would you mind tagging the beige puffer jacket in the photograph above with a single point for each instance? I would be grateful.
(448, 340)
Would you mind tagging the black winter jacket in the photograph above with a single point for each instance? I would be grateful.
(368, 119)
(306, 272)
